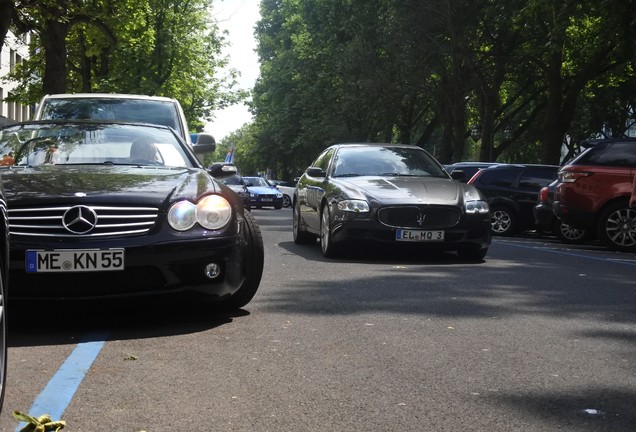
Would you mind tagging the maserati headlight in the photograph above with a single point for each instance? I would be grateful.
(356, 206)
(211, 212)
(476, 207)
(474, 204)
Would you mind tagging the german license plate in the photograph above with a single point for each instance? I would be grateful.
(419, 236)
(267, 199)
(74, 260)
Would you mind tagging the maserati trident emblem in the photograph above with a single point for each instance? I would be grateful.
(79, 219)
(420, 219)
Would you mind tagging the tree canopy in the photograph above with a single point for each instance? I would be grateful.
(155, 47)
(527, 74)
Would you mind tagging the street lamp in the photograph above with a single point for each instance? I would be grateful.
(475, 132)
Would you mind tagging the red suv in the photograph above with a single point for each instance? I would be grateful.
(594, 190)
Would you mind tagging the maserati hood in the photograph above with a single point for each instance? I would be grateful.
(417, 190)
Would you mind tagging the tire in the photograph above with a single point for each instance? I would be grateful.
(503, 221)
(286, 201)
(300, 235)
(254, 259)
(617, 227)
(472, 253)
(570, 235)
(329, 248)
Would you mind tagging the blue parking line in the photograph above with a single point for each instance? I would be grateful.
(60, 389)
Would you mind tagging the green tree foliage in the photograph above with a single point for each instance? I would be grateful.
(528, 72)
(532, 74)
(156, 47)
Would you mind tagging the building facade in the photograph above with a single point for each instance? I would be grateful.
(14, 51)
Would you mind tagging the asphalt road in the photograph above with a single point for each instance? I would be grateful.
(538, 337)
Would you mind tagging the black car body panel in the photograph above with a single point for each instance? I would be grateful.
(395, 202)
(56, 209)
(546, 221)
(237, 184)
(4, 289)
(511, 191)
(464, 171)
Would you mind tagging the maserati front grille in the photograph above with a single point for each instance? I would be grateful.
(419, 217)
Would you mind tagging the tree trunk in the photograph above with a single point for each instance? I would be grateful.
(54, 41)
(6, 14)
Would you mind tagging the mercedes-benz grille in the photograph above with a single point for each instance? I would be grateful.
(81, 220)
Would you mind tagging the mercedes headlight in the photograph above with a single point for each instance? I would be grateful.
(211, 212)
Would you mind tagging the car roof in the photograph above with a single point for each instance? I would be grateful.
(472, 164)
(592, 142)
(106, 96)
(518, 165)
(373, 144)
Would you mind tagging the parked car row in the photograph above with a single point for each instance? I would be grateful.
(546, 220)
(594, 191)
(592, 196)
(511, 191)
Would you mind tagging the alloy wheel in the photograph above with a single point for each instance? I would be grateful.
(619, 228)
(501, 222)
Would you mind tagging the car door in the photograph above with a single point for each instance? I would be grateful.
(311, 190)
(530, 182)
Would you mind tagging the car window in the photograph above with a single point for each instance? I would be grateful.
(386, 161)
(323, 160)
(610, 154)
(257, 181)
(233, 180)
(536, 178)
(500, 177)
(35, 144)
(129, 110)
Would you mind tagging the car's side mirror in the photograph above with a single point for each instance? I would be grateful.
(204, 143)
(458, 174)
(222, 170)
(316, 172)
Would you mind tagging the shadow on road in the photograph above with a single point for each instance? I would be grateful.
(33, 323)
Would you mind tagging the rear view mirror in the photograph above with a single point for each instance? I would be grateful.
(221, 170)
(203, 143)
(316, 172)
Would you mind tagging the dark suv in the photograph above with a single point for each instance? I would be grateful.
(464, 171)
(512, 190)
(594, 189)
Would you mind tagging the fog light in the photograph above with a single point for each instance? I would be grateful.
(212, 270)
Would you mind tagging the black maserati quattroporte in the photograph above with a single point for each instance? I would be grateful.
(388, 193)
